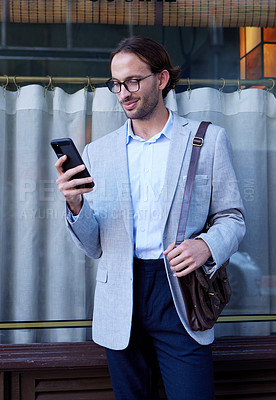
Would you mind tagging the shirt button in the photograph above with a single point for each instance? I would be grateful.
(146, 170)
(142, 229)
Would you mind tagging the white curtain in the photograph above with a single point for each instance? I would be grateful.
(43, 275)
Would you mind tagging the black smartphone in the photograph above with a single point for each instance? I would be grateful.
(67, 147)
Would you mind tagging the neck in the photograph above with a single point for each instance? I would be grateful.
(147, 128)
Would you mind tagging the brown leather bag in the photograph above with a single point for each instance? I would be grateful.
(204, 297)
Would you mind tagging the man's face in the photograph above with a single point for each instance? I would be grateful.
(141, 104)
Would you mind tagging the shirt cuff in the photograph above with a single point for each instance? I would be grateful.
(209, 267)
(70, 216)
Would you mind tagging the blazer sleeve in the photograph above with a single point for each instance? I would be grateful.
(84, 228)
(226, 213)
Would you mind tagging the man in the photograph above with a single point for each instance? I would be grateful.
(129, 221)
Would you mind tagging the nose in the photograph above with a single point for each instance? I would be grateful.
(124, 94)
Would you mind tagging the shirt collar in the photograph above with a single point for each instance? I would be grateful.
(166, 131)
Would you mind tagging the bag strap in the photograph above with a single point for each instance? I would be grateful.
(197, 144)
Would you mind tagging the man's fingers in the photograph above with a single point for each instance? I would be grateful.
(69, 174)
(71, 185)
(185, 271)
(188, 256)
(169, 248)
(173, 252)
(59, 163)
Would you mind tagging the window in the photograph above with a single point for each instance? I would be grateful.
(46, 283)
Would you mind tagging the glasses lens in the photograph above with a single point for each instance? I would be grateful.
(113, 86)
(132, 85)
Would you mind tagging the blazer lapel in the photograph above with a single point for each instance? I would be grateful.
(176, 161)
(122, 178)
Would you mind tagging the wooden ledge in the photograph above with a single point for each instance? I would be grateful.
(90, 355)
(245, 348)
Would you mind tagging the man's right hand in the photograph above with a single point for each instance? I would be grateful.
(67, 186)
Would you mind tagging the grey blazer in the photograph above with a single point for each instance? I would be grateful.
(104, 227)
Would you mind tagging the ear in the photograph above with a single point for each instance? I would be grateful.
(164, 77)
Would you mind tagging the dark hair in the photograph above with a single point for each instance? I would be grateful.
(153, 54)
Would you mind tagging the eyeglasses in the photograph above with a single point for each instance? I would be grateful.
(131, 85)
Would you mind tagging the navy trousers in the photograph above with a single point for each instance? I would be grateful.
(159, 341)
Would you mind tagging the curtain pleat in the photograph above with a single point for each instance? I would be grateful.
(43, 276)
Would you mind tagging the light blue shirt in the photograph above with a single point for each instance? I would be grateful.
(147, 161)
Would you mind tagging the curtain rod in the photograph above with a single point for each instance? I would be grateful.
(51, 81)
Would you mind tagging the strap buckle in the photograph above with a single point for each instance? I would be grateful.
(198, 141)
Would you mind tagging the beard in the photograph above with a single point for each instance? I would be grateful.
(145, 106)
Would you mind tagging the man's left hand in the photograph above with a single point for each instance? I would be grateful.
(188, 256)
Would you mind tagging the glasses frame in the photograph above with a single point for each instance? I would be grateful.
(138, 80)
